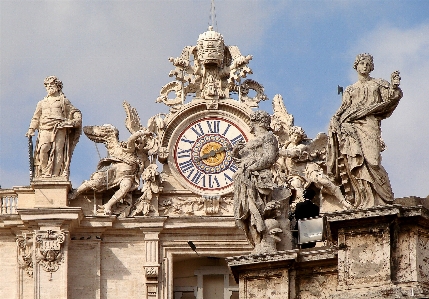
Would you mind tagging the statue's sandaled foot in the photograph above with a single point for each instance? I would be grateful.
(102, 209)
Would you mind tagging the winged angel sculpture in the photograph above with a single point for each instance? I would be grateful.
(126, 161)
(301, 163)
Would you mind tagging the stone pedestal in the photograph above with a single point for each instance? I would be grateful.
(382, 248)
(263, 276)
(51, 193)
(382, 252)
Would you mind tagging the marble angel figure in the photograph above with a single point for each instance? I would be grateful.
(301, 161)
(125, 163)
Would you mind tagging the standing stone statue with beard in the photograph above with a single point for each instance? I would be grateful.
(59, 126)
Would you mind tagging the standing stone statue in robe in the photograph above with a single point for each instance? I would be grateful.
(355, 144)
(59, 126)
(254, 207)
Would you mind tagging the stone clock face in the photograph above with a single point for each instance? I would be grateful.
(202, 155)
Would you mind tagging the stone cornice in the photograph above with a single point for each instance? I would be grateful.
(361, 214)
(287, 256)
(398, 210)
(68, 213)
(317, 254)
(10, 221)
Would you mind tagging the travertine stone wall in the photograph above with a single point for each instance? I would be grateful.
(423, 257)
(272, 283)
(315, 282)
(122, 273)
(84, 268)
(8, 269)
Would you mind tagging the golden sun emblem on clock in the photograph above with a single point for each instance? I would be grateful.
(212, 153)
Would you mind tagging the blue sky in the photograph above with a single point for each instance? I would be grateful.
(106, 52)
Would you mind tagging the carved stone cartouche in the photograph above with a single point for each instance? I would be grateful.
(210, 70)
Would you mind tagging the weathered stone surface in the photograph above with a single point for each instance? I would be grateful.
(365, 258)
(50, 193)
(265, 284)
(377, 253)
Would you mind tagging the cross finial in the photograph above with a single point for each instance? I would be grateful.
(213, 14)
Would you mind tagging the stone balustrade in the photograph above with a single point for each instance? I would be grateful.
(8, 202)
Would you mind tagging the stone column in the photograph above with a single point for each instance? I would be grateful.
(152, 264)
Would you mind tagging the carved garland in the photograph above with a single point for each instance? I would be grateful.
(208, 205)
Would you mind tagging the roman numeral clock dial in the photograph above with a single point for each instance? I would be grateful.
(202, 155)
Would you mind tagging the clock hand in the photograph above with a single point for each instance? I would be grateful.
(221, 149)
(210, 154)
(205, 156)
(213, 153)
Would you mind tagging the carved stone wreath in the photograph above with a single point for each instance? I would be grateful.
(206, 205)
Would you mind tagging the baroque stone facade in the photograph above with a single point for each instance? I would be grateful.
(212, 191)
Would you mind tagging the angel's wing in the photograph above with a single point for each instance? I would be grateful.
(281, 120)
(132, 122)
(156, 124)
(280, 111)
(317, 146)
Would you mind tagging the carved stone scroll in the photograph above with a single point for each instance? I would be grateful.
(211, 204)
(151, 272)
(25, 253)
